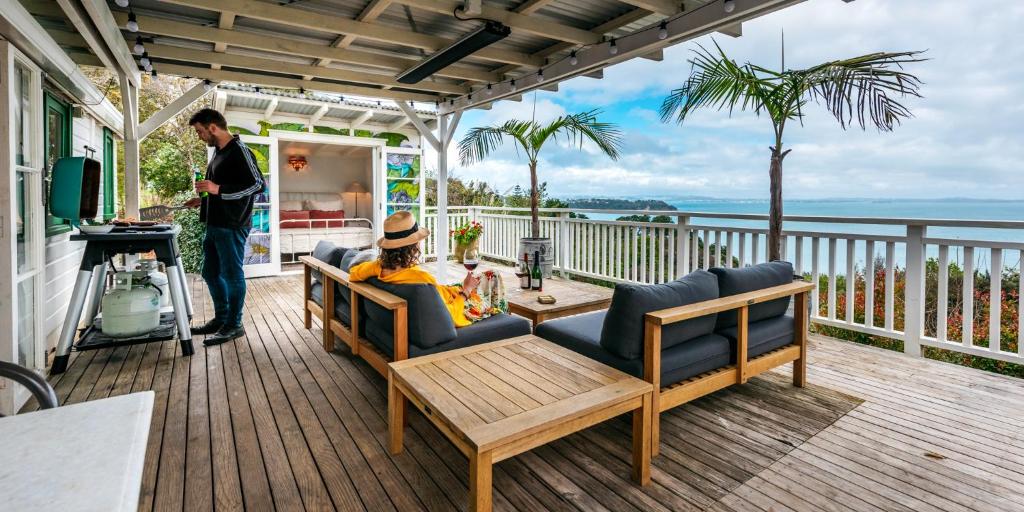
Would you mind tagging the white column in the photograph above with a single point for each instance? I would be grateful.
(914, 301)
(130, 107)
(441, 234)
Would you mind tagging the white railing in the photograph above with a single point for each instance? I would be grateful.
(881, 253)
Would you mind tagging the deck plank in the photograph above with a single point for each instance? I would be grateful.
(272, 422)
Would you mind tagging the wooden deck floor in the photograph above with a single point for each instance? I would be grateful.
(273, 422)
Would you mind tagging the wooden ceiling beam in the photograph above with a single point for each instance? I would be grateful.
(200, 57)
(309, 20)
(192, 31)
(369, 13)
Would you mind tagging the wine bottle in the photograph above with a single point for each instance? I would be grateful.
(524, 272)
(537, 277)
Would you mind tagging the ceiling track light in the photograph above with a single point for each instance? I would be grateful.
(729, 6)
(133, 22)
(613, 48)
(572, 58)
(663, 30)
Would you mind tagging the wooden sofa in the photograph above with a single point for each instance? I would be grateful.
(356, 314)
(698, 334)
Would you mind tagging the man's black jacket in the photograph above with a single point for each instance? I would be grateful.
(234, 169)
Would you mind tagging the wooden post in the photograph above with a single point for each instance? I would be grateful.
(742, 318)
(396, 415)
(480, 482)
(353, 341)
(682, 246)
(328, 313)
(800, 307)
(563, 244)
(652, 374)
(642, 419)
(914, 298)
(307, 282)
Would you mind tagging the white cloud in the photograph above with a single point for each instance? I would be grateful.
(964, 139)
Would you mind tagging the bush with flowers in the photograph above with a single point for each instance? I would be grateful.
(467, 233)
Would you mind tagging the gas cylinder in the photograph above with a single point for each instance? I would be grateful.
(131, 307)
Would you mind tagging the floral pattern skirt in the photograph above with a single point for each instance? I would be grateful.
(488, 299)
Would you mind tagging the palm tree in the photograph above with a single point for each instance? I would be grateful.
(858, 91)
(530, 136)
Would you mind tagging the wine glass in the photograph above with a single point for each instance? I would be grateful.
(471, 259)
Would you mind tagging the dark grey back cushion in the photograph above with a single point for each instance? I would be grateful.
(623, 330)
(354, 257)
(428, 319)
(328, 253)
(732, 281)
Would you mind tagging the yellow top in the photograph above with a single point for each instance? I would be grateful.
(452, 296)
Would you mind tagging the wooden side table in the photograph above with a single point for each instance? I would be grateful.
(573, 298)
(500, 399)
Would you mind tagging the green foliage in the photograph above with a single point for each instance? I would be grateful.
(190, 241)
(393, 139)
(330, 131)
(646, 218)
(240, 131)
(166, 172)
(473, 193)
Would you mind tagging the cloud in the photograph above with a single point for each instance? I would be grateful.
(964, 139)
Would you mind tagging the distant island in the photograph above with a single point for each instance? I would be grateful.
(619, 204)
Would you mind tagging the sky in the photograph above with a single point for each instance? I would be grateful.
(966, 138)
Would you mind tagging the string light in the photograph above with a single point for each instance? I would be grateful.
(572, 58)
(540, 75)
(207, 85)
(729, 6)
(121, 3)
(133, 22)
(663, 30)
(139, 48)
(470, 97)
(612, 48)
(148, 66)
(145, 59)
(489, 91)
(152, 73)
(512, 84)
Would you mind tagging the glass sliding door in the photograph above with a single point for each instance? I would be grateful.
(262, 254)
(21, 208)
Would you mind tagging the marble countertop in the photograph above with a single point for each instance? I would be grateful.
(81, 457)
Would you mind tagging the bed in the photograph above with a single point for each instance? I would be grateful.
(309, 217)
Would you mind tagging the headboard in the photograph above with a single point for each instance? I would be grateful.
(310, 196)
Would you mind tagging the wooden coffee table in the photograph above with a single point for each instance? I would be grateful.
(572, 298)
(500, 399)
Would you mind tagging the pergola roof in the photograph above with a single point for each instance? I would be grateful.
(357, 47)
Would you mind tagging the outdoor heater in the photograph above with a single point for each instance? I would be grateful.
(488, 34)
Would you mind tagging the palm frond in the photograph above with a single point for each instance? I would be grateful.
(865, 88)
(716, 81)
(481, 141)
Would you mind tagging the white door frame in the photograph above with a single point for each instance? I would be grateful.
(274, 266)
(12, 396)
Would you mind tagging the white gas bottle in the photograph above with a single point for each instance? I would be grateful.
(157, 278)
(132, 307)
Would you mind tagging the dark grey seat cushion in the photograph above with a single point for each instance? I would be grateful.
(428, 319)
(328, 253)
(763, 336)
(732, 281)
(581, 334)
(623, 330)
(342, 300)
(495, 328)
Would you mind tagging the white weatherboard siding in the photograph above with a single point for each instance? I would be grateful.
(62, 255)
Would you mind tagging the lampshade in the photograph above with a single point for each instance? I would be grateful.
(355, 188)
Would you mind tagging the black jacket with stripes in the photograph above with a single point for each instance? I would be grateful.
(234, 169)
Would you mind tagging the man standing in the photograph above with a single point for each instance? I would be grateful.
(226, 200)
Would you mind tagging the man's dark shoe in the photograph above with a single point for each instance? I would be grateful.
(224, 335)
(208, 328)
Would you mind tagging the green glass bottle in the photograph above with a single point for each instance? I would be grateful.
(198, 176)
(537, 276)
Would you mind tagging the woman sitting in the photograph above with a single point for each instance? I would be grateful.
(475, 299)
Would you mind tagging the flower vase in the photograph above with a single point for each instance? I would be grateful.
(460, 249)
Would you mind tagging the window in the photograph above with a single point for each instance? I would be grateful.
(22, 115)
(57, 144)
(109, 174)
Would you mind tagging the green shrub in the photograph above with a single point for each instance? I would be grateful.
(190, 240)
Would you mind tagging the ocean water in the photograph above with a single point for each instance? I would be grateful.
(958, 209)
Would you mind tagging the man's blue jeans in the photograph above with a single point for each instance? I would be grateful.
(223, 253)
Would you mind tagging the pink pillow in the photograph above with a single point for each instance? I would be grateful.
(299, 219)
(333, 217)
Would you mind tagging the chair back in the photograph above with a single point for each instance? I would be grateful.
(36, 384)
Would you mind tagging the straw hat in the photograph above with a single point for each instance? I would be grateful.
(400, 230)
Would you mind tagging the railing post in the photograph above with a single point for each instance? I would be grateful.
(682, 246)
(914, 299)
(562, 260)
